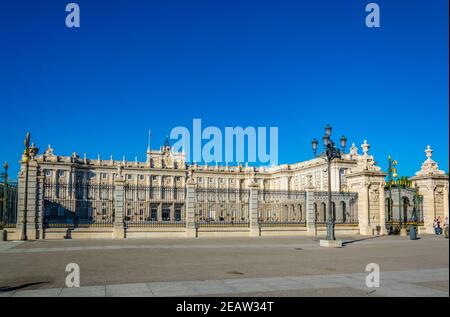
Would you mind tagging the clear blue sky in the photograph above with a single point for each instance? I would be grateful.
(135, 65)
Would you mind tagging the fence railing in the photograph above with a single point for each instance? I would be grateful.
(92, 205)
(222, 207)
(338, 222)
(155, 224)
(152, 207)
(81, 204)
(281, 208)
(8, 204)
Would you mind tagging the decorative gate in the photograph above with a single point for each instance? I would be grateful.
(404, 207)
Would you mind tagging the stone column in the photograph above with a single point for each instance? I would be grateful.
(310, 212)
(253, 210)
(435, 199)
(31, 230)
(119, 210)
(446, 201)
(370, 205)
(433, 186)
(382, 209)
(40, 207)
(191, 231)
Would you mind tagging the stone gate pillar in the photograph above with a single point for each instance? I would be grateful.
(432, 184)
(31, 205)
(367, 180)
(310, 211)
(40, 207)
(253, 210)
(191, 231)
(119, 197)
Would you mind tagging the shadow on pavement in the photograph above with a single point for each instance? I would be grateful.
(359, 240)
(14, 288)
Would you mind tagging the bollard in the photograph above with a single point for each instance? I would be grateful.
(412, 232)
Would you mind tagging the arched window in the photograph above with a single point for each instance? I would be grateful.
(324, 212)
(405, 205)
(343, 211)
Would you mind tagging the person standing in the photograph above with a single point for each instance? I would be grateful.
(446, 227)
(436, 226)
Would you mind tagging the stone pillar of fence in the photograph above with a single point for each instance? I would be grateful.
(310, 212)
(382, 201)
(40, 206)
(432, 184)
(253, 210)
(119, 197)
(191, 231)
(31, 210)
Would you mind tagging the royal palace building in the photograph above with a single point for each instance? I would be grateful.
(77, 197)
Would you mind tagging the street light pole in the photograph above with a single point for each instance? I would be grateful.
(330, 221)
(330, 153)
(28, 155)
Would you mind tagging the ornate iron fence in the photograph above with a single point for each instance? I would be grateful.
(343, 206)
(281, 208)
(154, 207)
(80, 205)
(8, 204)
(222, 207)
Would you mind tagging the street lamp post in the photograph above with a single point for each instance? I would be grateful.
(330, 153)
(28, 155)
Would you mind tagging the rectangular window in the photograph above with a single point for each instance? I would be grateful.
(166, 214)
(154, 214)
(178, 214)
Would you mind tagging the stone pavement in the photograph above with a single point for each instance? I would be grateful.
(401, 283)
(281, 266)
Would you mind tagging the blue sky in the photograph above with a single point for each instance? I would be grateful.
(135, 65)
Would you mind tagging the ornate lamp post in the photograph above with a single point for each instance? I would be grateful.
(28, 154)
(330, 153)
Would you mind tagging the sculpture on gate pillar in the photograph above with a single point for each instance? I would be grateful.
(429, 166)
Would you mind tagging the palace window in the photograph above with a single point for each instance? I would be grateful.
(154, 214)
(165, 213)
(178, 214)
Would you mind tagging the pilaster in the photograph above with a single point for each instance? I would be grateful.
(191, 231)
(119, 210)
(253, 210)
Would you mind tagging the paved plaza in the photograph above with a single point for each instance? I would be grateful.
(276, 266)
